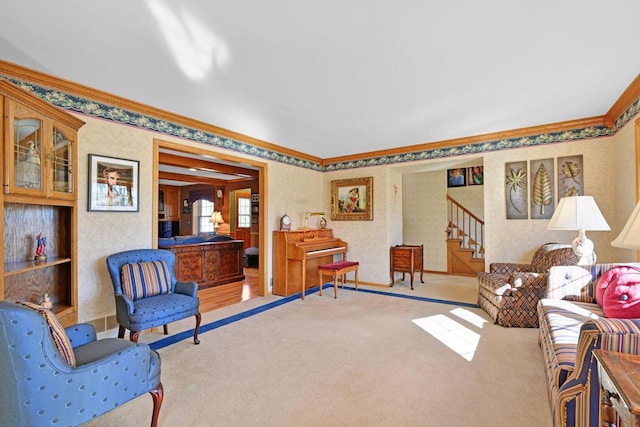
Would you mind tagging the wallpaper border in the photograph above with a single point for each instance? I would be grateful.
(100, 110)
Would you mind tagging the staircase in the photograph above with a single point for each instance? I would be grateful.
(465, 240)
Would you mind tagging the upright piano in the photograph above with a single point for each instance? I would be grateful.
(297, 255)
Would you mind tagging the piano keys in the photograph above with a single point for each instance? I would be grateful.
(297, 255)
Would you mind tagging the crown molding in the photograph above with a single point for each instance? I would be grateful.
(570, 125)
(88, 101)
(19, 72)
(628, 97)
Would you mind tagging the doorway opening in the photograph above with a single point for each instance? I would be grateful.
(179, 165)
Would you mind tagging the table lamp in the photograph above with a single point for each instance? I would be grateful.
(216, 219)
(579, 213)
(629, 237)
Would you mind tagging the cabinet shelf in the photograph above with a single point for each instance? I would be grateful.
(14, 268)
(40, 181)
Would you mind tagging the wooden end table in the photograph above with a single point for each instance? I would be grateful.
(406, 259)
(619, 375)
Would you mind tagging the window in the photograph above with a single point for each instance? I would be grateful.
(244, 212)
(202, 212)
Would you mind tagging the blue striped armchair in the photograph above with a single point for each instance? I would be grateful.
(147, 292)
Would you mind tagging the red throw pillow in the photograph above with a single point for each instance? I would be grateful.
(618, 292)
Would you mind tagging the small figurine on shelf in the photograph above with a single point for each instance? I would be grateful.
(46, 302)
(40, 248)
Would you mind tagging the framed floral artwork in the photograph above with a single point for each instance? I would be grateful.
(542, 189)
(352, 199)
(516, 190)
(570, 176)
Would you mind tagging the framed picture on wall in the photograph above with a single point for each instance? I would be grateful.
(516, 190)
(542, 189)
(113, 184)
(475, 175)
(456, 177)
(352, 199)
(570, 176)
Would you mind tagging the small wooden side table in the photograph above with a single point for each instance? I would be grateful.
(406, 259)
(619, 375)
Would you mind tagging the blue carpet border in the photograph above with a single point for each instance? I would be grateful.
(172, 339)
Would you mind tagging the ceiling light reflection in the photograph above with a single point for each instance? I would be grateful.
(195, 48)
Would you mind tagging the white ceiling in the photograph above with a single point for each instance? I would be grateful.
(339, 77)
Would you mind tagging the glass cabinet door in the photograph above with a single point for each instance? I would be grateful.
(28, 150)
(62, 162)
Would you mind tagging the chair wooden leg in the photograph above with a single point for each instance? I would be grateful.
(121, 330)
(195, 331)
(133, 336)
(335, 285)
(157, 395)
(320, 286)
(166, 329)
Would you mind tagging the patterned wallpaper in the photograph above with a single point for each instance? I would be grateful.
(298, 186)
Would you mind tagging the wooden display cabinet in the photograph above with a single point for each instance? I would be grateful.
(39, 196)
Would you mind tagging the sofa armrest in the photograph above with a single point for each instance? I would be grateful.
(528, 280)
(583, 384)
(526, 289)
(124, 303)
(81, 334)
(508, 267)
(187, 288)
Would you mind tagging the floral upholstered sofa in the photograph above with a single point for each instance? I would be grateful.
(573, 322)
(509, 292)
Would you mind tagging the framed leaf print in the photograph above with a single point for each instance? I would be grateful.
(542, 184)
(570, 176)
(516, 190)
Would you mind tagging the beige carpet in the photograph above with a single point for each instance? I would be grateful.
(361, 360)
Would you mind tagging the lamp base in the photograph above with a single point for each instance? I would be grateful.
(583, 247)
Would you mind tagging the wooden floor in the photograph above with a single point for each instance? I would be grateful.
(231, 293)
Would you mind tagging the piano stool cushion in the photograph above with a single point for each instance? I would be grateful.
(338, 265)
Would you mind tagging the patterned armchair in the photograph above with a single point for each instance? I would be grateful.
(147, 292)
(56, 376)
(510, 292)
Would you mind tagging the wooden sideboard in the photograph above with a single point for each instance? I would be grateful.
(210, 263)
(406, 259)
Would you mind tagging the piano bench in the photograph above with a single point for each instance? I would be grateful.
(335, 269)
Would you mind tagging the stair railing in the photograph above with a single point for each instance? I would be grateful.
(464, 225)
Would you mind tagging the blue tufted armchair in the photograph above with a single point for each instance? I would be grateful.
(40, 387)
(136, 310)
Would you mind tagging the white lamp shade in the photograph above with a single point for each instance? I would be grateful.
(629, 237)
(216, 218)
(578, 213)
